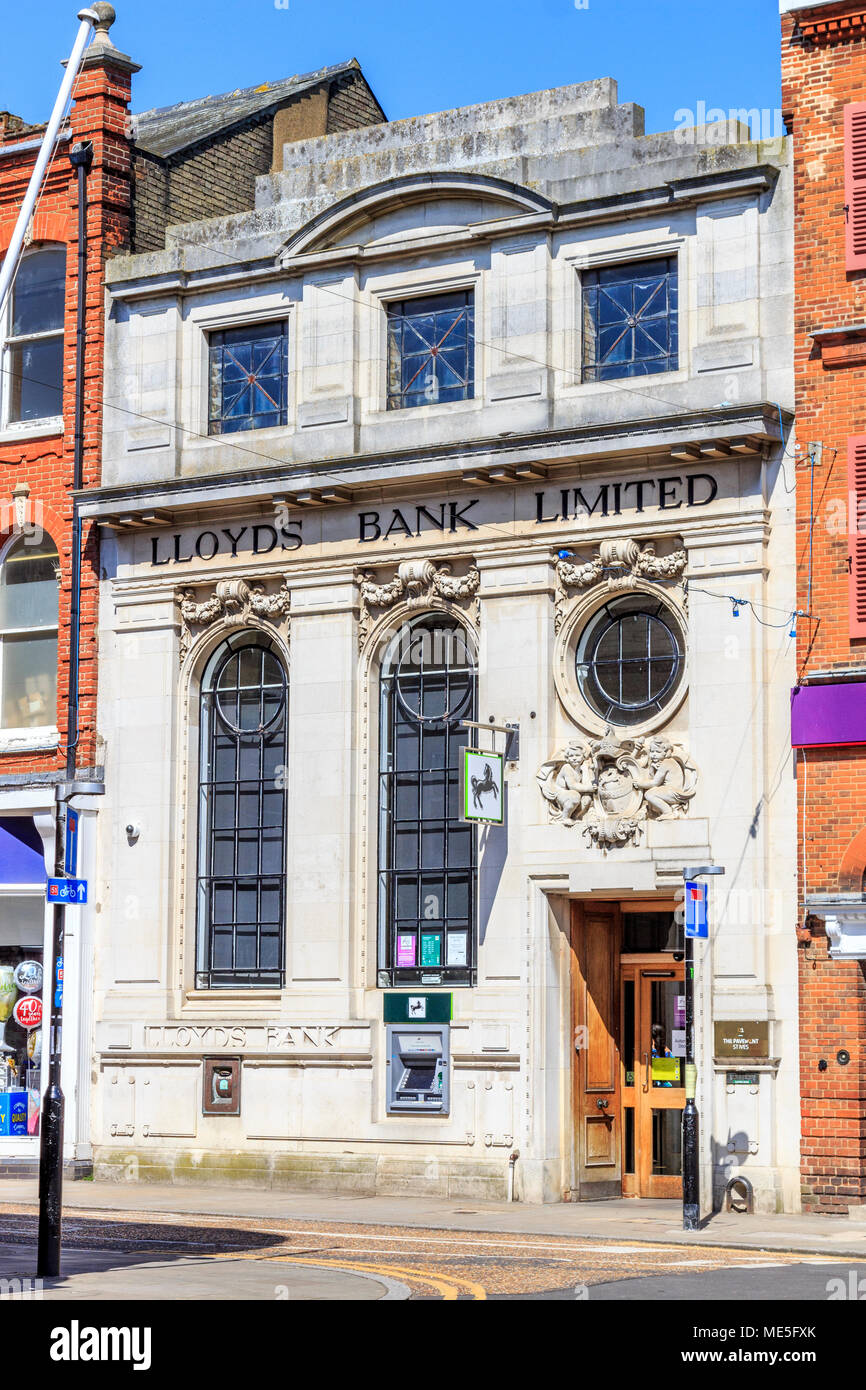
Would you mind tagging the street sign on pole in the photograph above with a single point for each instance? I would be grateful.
(71, 864)
(71, 892)
(696, 910)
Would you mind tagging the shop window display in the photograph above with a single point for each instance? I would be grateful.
(21, 1044)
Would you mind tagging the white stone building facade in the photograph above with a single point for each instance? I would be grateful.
(576, 484)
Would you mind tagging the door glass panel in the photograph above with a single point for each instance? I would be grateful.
(648, 932)
(667, 1143)
(628, 1140)
(628, 1033)
(666, 1054)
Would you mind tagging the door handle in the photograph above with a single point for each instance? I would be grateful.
(602, 1104)
(646, 1075)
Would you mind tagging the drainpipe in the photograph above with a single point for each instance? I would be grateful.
(10, 264)
(512, 1159)
(81, 158)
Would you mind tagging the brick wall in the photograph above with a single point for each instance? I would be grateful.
(211, 180)
(352, 105)
(218, 176)
(99, 114)
(818, 78)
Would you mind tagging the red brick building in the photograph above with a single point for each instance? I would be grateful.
(37, 411)
(824, 104)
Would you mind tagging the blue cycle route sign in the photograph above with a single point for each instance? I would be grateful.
(696, 909)
(69, 891)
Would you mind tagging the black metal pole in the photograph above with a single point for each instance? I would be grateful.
(691, 1119)
(51, 1140)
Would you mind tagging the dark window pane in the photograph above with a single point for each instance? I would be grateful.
(618, 671)
(248, 378)
(39, 294)
(430, 350)
(629, 320)
(35, 380)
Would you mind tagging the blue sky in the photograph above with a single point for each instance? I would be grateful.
(665, 54)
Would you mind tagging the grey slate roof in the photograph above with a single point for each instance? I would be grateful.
(165, 130)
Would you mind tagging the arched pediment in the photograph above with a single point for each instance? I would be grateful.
(417, 206)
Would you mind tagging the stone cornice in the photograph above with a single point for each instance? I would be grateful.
(350, 478)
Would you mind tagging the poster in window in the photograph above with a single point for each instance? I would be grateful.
(482, 792)
(431, 949)
(406, 949)
(456, 949)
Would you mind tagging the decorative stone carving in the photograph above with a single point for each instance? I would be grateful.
(232, 601)
(622, 561)
(418, 584)
(613, 785)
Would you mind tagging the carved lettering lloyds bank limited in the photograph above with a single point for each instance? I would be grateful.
(203, 1037)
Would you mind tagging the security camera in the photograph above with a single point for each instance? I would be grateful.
(133, 830)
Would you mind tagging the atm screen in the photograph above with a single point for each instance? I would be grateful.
(418, 1079)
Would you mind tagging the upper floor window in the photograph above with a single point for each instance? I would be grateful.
(28, 635)
(431, 350)
(630, 319)
(33, 339)
(426, 853)
(242, 815)
(248, 387)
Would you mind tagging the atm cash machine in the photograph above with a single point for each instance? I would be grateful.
(419, 1068)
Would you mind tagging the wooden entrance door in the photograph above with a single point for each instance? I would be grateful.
(653, 1093)
(595, 940)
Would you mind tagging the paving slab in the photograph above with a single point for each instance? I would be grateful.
(110, 1276)
(619, 1219)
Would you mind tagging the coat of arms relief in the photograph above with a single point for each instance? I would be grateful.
(612, 785)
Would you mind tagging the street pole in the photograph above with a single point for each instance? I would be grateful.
(691, 1117)
(51, 1139)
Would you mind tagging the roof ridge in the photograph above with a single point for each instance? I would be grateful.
(238, 92)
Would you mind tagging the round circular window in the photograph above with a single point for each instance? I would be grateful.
(630, 660)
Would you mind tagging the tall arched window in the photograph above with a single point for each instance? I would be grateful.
(242, 815)
(426, 854)
(32, 339)
(28, 635)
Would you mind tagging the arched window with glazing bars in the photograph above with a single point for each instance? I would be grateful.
(427, 870)
(242, 816)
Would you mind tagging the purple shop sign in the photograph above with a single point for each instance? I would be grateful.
(825, 715)
(406, 950)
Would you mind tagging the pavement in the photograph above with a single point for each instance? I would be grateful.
(626, 1219)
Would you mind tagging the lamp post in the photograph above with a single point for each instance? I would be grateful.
(691, 1169)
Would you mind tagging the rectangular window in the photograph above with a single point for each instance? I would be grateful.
(248, 382)
(630, 320)
(431, 350)
(33, 339)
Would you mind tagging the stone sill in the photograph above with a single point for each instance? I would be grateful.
(40, 429)
(29, 741)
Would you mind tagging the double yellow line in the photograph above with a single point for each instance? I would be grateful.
(449, 1286)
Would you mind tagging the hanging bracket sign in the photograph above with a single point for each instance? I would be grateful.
(482, 787)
